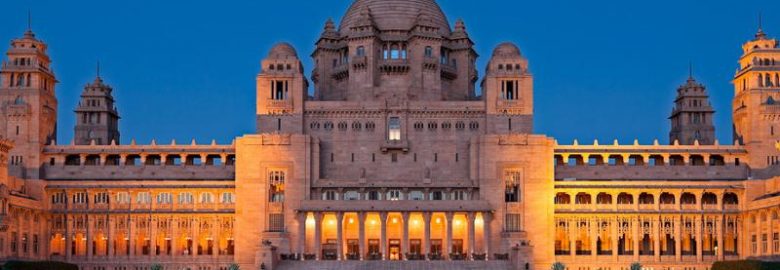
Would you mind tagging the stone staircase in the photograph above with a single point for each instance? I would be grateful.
(394, 265)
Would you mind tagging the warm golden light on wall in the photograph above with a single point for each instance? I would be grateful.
(351, 221)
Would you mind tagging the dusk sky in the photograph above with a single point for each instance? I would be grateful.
(183, 69)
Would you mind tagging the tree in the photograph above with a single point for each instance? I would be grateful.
(156, 266)
(234, 267)
(636, 266)
(558, 266)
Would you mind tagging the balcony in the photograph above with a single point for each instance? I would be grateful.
(509, 106)
(690, 207)
(449, 71)
(279, 105)
(647, 207)
(394, 66)
(359, 62)
(395, 145)
(340, 72)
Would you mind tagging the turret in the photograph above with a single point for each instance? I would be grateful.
(97, 120)
(508, 91)
(281, 91)
(692, 116)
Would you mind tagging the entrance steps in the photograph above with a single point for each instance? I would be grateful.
(394, 265)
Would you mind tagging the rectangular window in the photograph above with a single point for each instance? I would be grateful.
(123, 198)
(512, 180)
(143, 198)
(394, 129)
(276, 180)
(512, 223)
(227, 198)
(276, 222)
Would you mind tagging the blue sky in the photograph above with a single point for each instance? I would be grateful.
(185, 69)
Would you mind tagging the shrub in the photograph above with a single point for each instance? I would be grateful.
(558, 266)
(745, 265)
(234, 267)
(636, 266)
(40, 265)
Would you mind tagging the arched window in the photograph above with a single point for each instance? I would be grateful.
(768, 79)
(428, 52)
(582, 198)
(604, 198)
(709, 198)
(562, 198)
(361, 51)
(730, 198)
(625, 198)
(646, 198)
(395, 51)
(687, 198)
(760, 80)
(667, 198)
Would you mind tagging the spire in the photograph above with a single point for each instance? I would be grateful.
(98, 80)
(760, 34)
(690, 70)
(29, 33)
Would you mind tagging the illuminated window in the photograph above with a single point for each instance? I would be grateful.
(394, 195)
(164, 198)
(143, 198)
(276, 180)
(206, 198)
(394, 129)
(227, 197)
(185, 198)
(512, 180)
(123, 197)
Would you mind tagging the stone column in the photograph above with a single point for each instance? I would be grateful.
(68, 239)
(383, 241)
(174, 236)
(486, 221)
(301, 232)
(635, 230)
(427, 232)
(405, 243)
(472, 233)
(615, 224)
(573, 229)
(448, 247)
(195, 236)
(657, 238)
(318, 235)
(678, 239)
(110, 244)
(153, 237)
(362, 234)
(131, 236)
(594, 236)
(340, 235)
(699, 233)
(719, 252)
(215, 229)
(89, 235)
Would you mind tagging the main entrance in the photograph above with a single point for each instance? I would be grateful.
(394, 249)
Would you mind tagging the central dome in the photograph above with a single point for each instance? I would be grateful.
(395, 14)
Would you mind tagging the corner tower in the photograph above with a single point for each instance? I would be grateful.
(96, 116)
(281, 91)
(508, 91)
(692, 115)
(29, 105)
(756, 111)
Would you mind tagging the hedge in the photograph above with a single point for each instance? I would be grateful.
(41, 265)
(746, 265)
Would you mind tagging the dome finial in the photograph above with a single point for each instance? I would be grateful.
(29, 33)
(760, 34)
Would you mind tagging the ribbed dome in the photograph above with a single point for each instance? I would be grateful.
(506, 49)
(282, 50)
(395, 14)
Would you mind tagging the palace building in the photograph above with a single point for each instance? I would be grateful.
(394, 161)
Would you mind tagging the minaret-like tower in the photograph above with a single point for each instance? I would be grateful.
(281, 91)
(96, 116)
(692, 115)
(508, 89)
(756, 111)
(29, 105)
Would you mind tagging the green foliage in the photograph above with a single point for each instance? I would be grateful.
(234, 267)
(41, 265)
(745, 265)
(558, 266)
(156, 266)
(636, 266)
